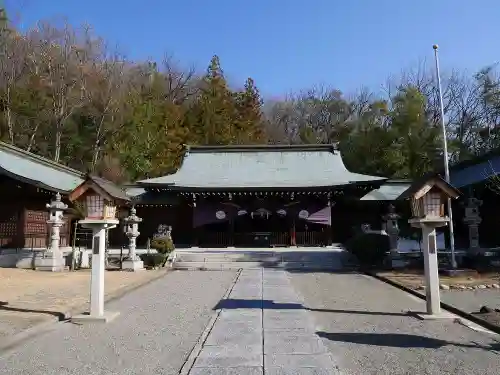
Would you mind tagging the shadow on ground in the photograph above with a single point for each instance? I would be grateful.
(256, 304)
(399, 340)
(229, 304)
(4, 306)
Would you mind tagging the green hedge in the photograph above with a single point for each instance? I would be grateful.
(163, 245)
(369, 248)
(153, 259)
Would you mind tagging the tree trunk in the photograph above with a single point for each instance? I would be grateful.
(95, 156)
(8, 115)
(32, 137)
(57, 151)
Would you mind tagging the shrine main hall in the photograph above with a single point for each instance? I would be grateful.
(256, 196)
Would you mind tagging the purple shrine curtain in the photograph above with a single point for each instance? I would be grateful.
(323, 216)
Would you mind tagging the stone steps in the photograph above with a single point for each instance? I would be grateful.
(254, 265)
(324, 259)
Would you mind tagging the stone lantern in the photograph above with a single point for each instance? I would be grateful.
(54, 259)
(133, 263)
(472, 219)
(392, 227)
(427, 198)
(100, 199)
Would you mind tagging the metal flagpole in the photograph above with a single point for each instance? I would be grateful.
(445, 157)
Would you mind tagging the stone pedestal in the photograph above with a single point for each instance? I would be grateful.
(84, 259)
(50, 261)
(133, 265)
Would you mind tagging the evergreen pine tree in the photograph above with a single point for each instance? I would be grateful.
(250, 120)
(215, 108)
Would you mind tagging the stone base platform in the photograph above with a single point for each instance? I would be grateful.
(107, 317)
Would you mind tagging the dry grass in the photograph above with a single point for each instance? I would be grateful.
(414, 280)
(28, 297)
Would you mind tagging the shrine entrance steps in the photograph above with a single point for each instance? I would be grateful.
(297, 258)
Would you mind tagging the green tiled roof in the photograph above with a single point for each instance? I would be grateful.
(265, 166)
(33, 169)
(389, 191)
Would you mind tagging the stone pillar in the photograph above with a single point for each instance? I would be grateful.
(433, 298)
(133, 263)
(54, 259)
(431, 266)
(97, 314)
(473, 219)
(97, 274)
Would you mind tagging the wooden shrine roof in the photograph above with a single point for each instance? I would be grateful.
(260, 166)
(38, 171)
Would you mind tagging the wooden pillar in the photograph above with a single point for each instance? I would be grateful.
(293, 234)
(329, 234)
(231, 230)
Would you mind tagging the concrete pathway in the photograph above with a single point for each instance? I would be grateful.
(263, 328)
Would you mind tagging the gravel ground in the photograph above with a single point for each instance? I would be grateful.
(158, 326)
(30, 297)
(472, 300)
(362, 322)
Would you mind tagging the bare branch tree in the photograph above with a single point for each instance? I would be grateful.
(13, 68)
(106, 89)
(179, 83)
(64, 56)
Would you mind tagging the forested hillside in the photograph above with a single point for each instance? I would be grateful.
(65, 94)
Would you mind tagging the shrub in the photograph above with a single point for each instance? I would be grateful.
(369, 248)
(478, 262)
(163, 245)
(153, 259)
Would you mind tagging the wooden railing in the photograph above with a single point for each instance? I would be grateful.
(260, 239)
(310, 238)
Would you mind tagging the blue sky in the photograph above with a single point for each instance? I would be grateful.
(290, 44)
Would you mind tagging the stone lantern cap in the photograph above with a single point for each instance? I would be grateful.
(391, 213)
(57, 204)
(133, 218)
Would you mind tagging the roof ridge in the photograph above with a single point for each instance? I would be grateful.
(39, 159)
(332, 147)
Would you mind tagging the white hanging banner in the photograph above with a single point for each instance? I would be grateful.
(303, 214)
(221, 215)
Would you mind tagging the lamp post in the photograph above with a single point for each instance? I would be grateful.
(100, 216)
(445, 157)
(427, 205)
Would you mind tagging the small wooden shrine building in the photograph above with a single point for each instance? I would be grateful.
(27, 183)
(249, 196)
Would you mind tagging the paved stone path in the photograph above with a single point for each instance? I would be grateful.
(263, 328)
